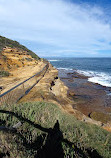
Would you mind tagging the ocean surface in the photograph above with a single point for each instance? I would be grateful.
(98, 70)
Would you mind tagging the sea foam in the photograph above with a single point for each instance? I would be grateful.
(68, 69)
(54, 60)
(101, 78)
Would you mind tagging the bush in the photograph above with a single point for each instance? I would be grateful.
(4, 73)
(28, 59)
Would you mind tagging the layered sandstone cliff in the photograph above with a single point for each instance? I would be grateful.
(12, 58)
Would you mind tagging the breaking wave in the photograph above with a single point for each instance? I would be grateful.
(101, 78)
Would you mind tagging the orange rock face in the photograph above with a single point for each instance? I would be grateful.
(12, 58)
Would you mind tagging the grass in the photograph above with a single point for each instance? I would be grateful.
(4, 73)
(14, 44)
(78, 138)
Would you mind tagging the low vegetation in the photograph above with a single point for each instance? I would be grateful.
(47, 130)
(14, 44)
(4, 73)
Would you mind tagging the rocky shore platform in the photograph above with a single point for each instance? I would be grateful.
(91, 99)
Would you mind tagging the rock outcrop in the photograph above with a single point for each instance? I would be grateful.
(50, 88)
(13, 58)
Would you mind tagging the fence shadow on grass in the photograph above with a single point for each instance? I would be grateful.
(45, 145)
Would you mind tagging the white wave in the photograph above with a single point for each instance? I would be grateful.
(109, 94)
(54, 60)
(87, 73)
(101, 78)
(61, 68)
(101, 81)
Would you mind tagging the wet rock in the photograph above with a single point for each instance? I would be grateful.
(71, 93)
(99, 116)
(77, 75)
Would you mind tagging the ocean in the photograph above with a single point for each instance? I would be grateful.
(98, 70)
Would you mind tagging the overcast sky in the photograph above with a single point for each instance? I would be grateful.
(78, 28)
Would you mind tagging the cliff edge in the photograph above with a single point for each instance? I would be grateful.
(21, 63)
(43, 120)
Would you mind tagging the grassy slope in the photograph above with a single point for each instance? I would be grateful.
(14, 44)
(84, 136)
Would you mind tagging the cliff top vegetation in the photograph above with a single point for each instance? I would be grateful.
(14, 44)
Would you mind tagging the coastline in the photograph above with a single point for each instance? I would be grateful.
(89, 97)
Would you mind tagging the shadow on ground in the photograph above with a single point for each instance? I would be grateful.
(46, 145)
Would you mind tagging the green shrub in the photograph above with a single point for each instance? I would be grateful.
(28, 59)
(4, 73)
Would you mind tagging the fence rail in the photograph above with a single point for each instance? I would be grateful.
(17, 92)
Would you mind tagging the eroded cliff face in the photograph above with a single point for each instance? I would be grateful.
(20, 66)
(50, 87)
(13, 58)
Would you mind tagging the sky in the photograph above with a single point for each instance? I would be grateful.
(59, 28)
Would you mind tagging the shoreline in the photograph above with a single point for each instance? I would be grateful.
(89, 97)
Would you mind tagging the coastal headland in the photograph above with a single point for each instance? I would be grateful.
(52, 113)
(71, 91)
